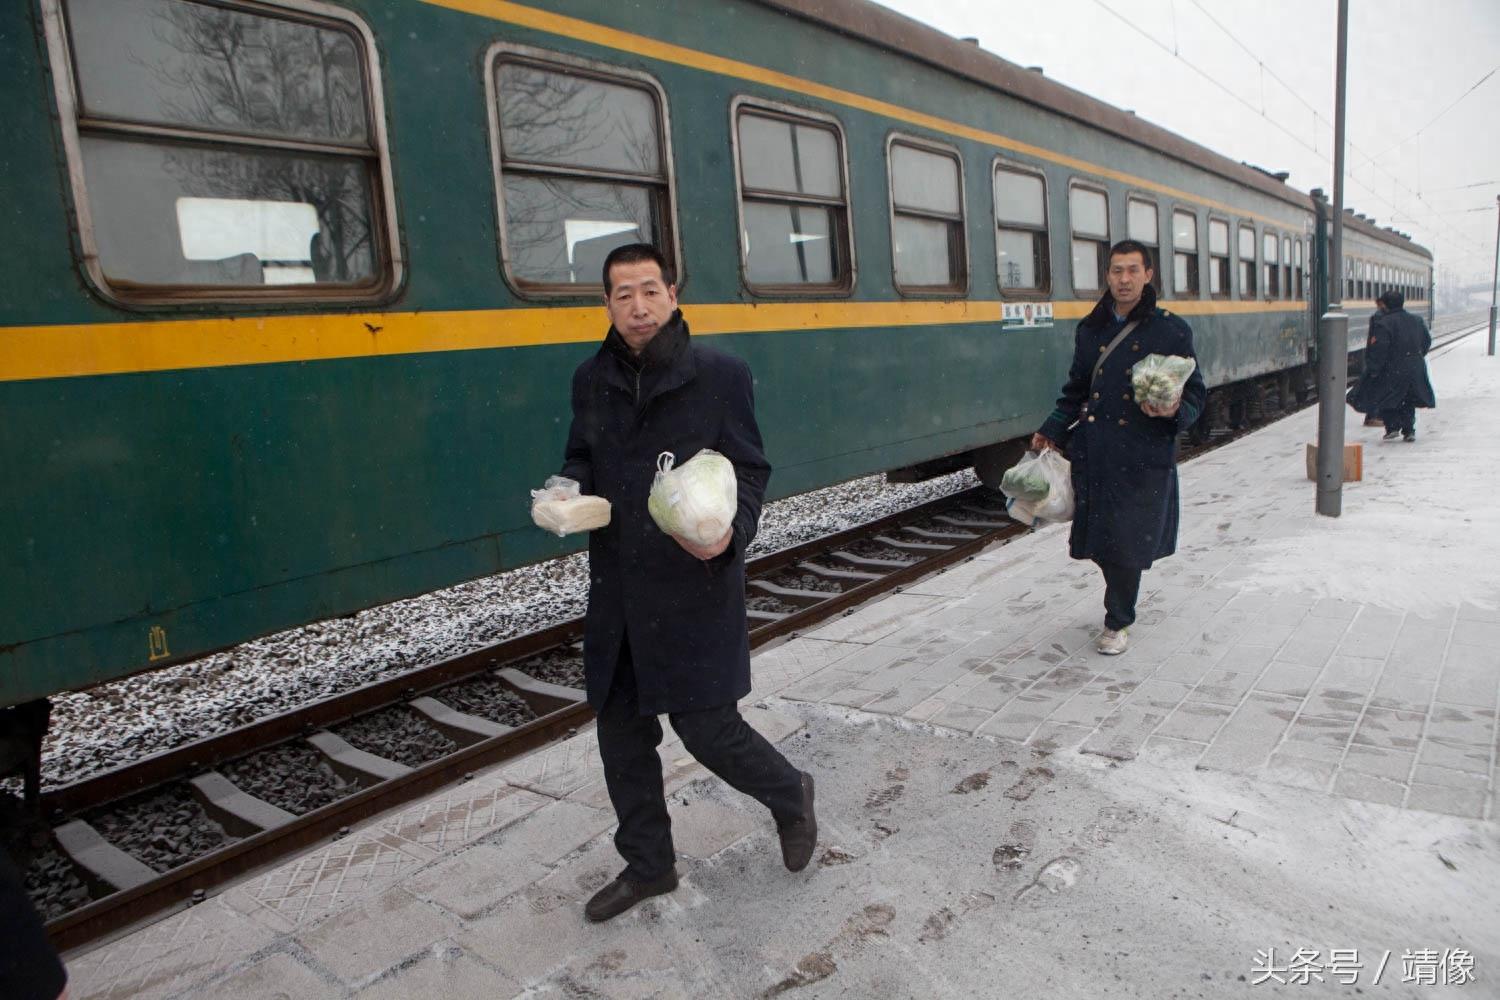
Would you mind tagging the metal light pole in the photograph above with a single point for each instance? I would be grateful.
(1333, 330)
(1495, 279)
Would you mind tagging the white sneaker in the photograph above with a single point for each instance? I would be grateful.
(1112, 643)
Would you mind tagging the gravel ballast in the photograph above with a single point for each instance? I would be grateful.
(116, 723)
(396, 734)
(293, 776)
(556, 666)
(488, 699)
(163, 829)
(54, 884)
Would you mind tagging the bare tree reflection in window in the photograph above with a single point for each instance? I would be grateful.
(605, 134)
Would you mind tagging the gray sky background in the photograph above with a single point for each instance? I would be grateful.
(1408, 61)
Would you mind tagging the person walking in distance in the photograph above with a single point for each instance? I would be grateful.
(1395, 383)
(1123, 453)
(665, 631)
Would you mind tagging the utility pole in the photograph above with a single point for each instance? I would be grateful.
(1495, 279)
(1333, 330)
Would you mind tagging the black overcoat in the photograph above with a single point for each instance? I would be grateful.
(685, 618)
(1395, 369)
(1124, 462)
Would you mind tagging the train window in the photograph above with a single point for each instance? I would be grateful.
(1088, 209)
(1297, 272)
(794, 209)
(1184, 254)
(1247, 262)
(1272, 265)
(225, 152)
(582, 169)
(927, 218)
(1143, 224)
(1286, 267)
(1021, 231)
(1218, 258)
(1349, 283)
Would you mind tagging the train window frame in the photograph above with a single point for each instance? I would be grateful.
(1286, 266)
(1299, 272)
(958, 226)
(1247, 268)
(1138, 198)
(843, 286)
(1043, 255)
(604, 72)
(388, 258)
(1194, 267)
(1073, 237)
(1270, 258)
(1226, 282)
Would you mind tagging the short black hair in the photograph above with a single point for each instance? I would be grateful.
(636, 253)
(1132, 246)
(1392, 299)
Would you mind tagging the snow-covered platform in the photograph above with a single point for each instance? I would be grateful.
(1288, 781)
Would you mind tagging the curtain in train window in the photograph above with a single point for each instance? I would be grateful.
(792, 202)
(1185, 254)
(1021, 231)
(1272, 265)
(1088, 210)
(226, 148)
(927, 219)
(1143, 225)
(1247, 262)
(1218, 258)
(582, 171)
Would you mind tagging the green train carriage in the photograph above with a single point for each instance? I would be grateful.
(303, 283)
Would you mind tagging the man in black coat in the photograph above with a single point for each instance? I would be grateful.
(665, 630)
(1123, 453)
(1395, 381)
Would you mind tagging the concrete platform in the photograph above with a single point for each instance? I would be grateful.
(1288, 781)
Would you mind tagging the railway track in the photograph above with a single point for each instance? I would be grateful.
(128, 843)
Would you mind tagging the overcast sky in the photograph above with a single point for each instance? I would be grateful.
(1408, 61)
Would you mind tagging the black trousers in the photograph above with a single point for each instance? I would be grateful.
(1402, 418)
(1122, 585)
(719, 738)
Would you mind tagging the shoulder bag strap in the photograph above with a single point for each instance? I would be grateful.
(1129, 328)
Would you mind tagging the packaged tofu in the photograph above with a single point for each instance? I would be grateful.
(558, 507)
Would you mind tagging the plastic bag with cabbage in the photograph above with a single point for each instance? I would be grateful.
(697, 500)
(1158, 379)
(1026, 480)
(1055, 505)
(557, 507)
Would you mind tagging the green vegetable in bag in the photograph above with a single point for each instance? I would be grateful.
(1158, 379)
(1026, 480)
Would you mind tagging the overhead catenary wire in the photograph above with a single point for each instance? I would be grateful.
(1205, 74)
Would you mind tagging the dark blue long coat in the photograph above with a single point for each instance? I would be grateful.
(1124, 462)
(1395, 369)
(685, 618)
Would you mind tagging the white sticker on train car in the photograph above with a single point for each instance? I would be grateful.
(1026, 314)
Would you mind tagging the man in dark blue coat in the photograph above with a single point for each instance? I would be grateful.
(1395, 381)
(665, 630)
(1123, 453)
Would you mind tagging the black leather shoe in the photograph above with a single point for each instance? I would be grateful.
(800, 836)
(623, 893)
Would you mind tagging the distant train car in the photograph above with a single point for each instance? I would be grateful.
(292, 290)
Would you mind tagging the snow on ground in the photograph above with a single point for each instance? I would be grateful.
(1411, 537)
